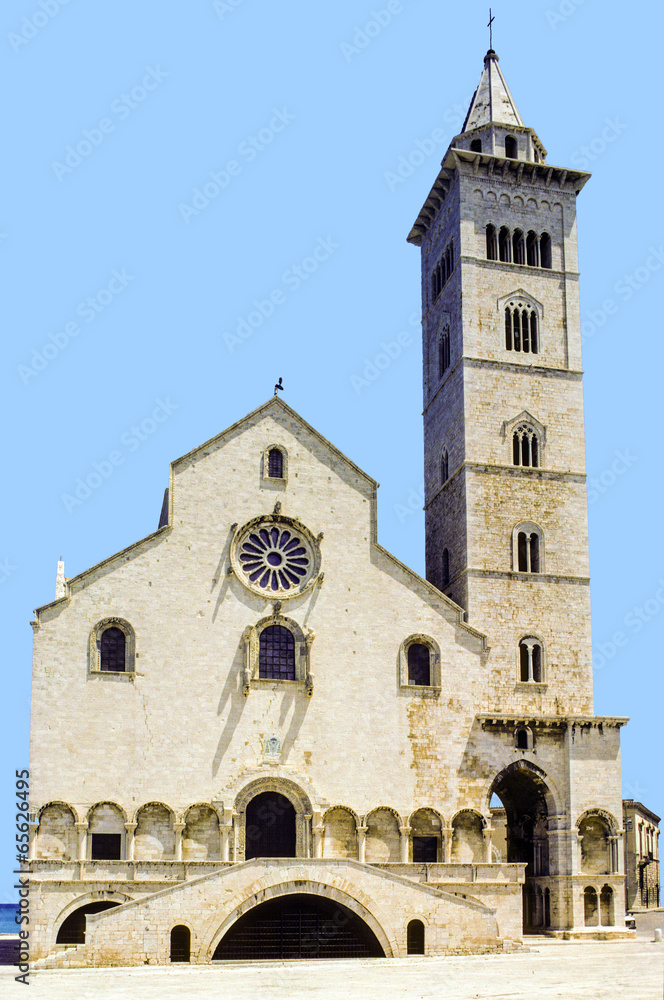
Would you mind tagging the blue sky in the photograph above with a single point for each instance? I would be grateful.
(123, 287)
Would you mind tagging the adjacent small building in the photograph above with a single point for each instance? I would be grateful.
(641, 841)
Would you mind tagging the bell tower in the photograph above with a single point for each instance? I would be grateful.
(505, 493)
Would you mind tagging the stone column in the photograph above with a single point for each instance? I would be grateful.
(129, 840)
(487, 833)
(225, 847)
(82, 832)
(614, 854)
(362, 843)
(308, 852)
(33, 830)
(448, 834)
(177, 830)
(318, 841)
(404, 843)
(235, 836)
(577, 859)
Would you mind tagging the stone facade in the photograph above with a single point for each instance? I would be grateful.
(641, 856)
(259, 702)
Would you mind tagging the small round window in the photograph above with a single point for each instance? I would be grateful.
(275, 557)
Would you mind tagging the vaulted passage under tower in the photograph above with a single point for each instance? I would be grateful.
(298, 926)
(523, 795)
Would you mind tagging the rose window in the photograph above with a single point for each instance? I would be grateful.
(275, 556)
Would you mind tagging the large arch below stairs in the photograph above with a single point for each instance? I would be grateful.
(300, 887)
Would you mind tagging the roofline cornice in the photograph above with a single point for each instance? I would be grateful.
(463, 161)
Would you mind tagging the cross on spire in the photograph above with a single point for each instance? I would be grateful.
(490, 27)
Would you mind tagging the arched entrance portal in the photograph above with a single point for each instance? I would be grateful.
(299, 925)
(523, 794)
(270, 831)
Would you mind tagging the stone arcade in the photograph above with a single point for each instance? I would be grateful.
(272, 738)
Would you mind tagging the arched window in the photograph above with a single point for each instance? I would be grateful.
(112, 647)
(180, 944)
(606, 906)
(415, 937)
(530, 661)
(106, 832)
(491, 243)
(419, 664)
(525, 447)
(476, 146)
(523, 738)
(521, 328)
(511, 147)
(275, 464)
(112, 650)
(528, 551)
(444, 467)
(532, 249)
(446, 568)
(276, 653)
(518, 247)
(505, 245)
(545, 250)
(590, 909)
(444, 351)
(449, 260)
(436, 282)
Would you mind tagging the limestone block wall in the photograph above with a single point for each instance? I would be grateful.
(140, 932)
(189, 616)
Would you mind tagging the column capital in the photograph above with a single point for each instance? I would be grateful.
(177, 827)
(82, 826)
(130, 827)
(361, 829)
(405, 829)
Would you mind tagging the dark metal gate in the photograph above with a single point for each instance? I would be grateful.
(298, 926)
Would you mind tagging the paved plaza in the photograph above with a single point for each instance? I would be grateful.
(623, 970)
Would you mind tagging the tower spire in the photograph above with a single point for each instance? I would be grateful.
(492, 102)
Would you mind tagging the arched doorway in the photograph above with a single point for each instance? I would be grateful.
(180, 944)
(72, 929)
(523, 795)
(270, 829)
(299, 925)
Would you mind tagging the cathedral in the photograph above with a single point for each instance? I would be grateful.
(275, 740)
